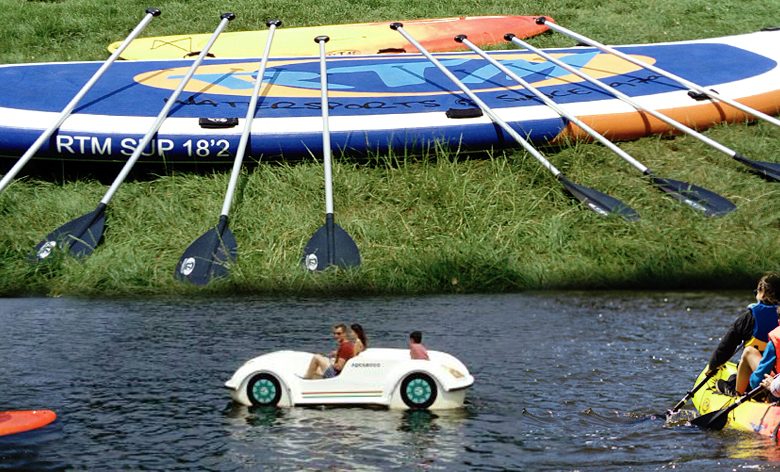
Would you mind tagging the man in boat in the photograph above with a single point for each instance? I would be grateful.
(322, 367)
(751, 330)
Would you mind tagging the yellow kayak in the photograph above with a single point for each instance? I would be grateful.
(348, 39)
(754, 416)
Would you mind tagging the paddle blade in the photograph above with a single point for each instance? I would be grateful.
(207, 257)
(79, 236)
(715, 420)
(318, 256)
(694, 196)
(599, 202)
(768, 170)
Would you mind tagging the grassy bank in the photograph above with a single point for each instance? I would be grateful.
(438, 223)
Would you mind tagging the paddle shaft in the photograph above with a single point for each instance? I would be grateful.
(625, 98)
(554, 106)
(250, 114)
(326, 152)
(692, 392)
(485, 108)
(65, 113)
(650, 67)
(226, 18)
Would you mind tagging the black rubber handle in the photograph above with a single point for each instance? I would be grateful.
(396, 25)
(322, 39)
(459, 38)
(153, 11)
(228, 16)
(540, 20)
(276, 23)
(509, 36)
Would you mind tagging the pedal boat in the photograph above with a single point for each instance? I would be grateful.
(377, 376)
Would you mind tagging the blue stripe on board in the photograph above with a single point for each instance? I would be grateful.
(49, 87)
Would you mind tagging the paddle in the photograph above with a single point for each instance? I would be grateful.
(208, 255)
(81, 235)
(766, 169)
(330, 244)
(716, 420)
(598, 202)
(699, 198)
(701, 91)
(691, 392)
(65, 113)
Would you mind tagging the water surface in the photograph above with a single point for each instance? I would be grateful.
(564, 381)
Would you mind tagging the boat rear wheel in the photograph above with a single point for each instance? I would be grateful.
(418, 391)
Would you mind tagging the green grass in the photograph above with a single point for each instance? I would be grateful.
(437, 223)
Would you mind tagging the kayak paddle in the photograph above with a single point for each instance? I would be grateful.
(699, 198)
(330, 244)
(81, 235)
(598, 202)
(768, 170)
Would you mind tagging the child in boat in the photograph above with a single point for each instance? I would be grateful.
(751, 330)
(416, 348)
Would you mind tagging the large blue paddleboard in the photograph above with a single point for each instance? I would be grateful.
(377, 102)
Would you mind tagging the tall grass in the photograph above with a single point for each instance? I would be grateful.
(442, 222)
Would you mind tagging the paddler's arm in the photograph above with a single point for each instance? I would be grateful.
(741, 330)
(764, 367)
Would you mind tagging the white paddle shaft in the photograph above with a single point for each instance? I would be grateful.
(485, 108)
(164, 112)
(625, 98)
(595, 134)
(250, 114)
(321, 40)
(65, 113)
(687, 83)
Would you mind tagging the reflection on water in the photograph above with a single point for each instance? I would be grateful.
(564, 381)
(345, 438)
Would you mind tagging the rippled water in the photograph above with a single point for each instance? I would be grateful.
(564, 381)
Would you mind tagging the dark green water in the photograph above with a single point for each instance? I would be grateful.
(564, 381)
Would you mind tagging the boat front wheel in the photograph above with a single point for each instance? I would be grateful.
(264, 390)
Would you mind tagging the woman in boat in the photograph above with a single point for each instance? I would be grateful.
(751, 330)
(359, 340)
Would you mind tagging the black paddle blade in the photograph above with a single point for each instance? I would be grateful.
(318, 256)
(599, 202)
(79, 236)
(768, 170)
(207, 257)
(694, 196)
(715, 420)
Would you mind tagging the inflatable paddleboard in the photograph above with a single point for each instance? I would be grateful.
(348, 39)
(12, 422)
(377, 103)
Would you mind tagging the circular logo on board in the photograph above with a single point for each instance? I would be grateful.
(46, 249)
(187, 266)
(311, 261)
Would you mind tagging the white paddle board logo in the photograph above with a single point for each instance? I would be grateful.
(46, 249)
(311, 261)
(187, 266)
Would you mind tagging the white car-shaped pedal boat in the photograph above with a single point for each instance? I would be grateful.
(377, 376)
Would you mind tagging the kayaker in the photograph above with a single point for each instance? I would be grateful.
(322, 367)
(751, 330)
